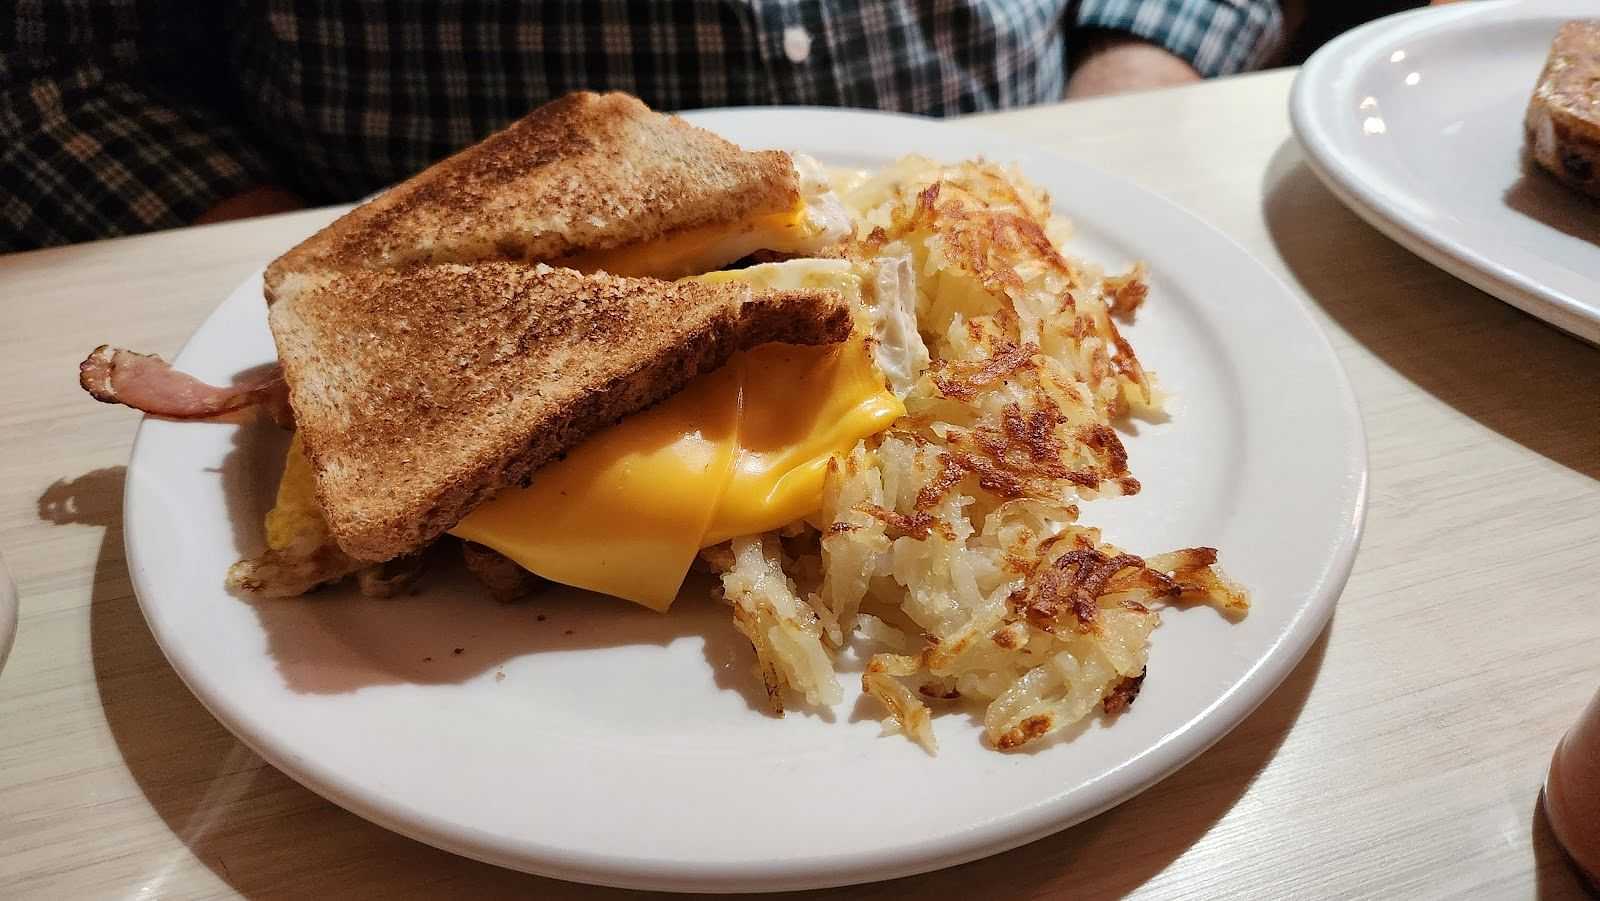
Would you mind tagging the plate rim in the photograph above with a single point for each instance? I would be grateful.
(1346, 176)
(1183, 743)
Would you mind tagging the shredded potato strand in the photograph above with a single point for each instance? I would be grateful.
(780, 626)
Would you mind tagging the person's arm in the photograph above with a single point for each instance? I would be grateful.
(1111, 62)
(1128, 45)
(92, 144)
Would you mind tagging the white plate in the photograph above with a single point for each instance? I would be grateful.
(1415, 122)
(627, 748)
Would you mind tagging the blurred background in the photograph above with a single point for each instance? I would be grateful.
(1312, 23)
(125, 116)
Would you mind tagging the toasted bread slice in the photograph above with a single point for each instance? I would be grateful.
(421, 392)
(585, 173)
(1563, 121)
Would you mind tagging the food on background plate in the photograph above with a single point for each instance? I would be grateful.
(1563, 120)
(880, 448)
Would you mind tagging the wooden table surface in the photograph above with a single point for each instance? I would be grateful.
(1403, 758)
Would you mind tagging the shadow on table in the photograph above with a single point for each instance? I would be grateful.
(1509, 371)
(1556, 874)
(267, 837)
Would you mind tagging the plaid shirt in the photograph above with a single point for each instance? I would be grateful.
(121, 116)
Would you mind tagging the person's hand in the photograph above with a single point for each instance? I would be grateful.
(1118, 63)
(261, 200)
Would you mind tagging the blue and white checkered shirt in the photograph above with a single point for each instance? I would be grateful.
(120, 116)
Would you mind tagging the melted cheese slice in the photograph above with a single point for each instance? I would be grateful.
(295, 520)
(801, 406)
(700, 249)
(741, 450)
(624, 512)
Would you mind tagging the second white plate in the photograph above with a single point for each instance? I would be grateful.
(1415, 122)
(586, 738)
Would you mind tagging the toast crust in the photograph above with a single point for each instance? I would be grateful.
(463, 380)
(1563, 120)
(586, 172)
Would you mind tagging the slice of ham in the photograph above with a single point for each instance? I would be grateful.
(146, 382)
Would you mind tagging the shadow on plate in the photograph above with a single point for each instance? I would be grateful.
(1509, 371)
(446, 631)
(1537, 195)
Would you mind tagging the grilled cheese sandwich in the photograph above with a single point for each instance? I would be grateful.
(589, 181)
(741, 450)
(443, 380)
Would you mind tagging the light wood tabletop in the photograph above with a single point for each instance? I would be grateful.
(1402, 758)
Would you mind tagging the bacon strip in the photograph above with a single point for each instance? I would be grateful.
(146, 382)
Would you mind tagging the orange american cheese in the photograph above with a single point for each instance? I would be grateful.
(740, 451)
(700, 249)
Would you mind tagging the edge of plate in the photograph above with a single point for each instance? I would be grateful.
(1316, 137)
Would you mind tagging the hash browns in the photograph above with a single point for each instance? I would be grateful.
(949, 546)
